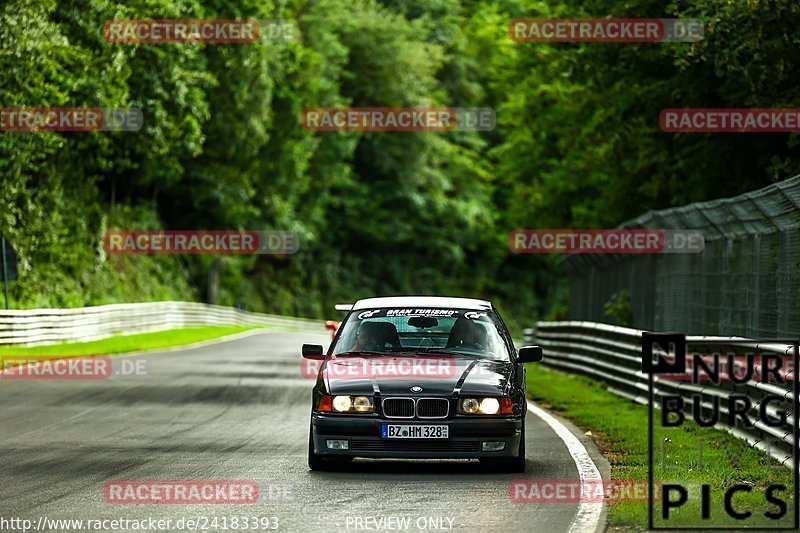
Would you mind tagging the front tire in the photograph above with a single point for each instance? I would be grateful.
(518, 464)
(315, 462)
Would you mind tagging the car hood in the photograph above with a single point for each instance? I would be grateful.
(394, 376)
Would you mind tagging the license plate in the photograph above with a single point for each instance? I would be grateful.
(398, 431)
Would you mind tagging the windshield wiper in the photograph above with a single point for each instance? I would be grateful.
(480, 356)
(440, 352)
(360, 352)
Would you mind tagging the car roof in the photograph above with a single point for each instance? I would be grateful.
(423, 301)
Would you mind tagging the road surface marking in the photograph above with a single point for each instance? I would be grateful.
(587, 518)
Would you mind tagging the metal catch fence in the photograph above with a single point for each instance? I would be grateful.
(745, 281)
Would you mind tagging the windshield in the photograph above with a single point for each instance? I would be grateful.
(411, 331)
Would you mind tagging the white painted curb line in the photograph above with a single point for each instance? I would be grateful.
(587, 518)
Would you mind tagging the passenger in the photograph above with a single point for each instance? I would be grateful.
(468, 334)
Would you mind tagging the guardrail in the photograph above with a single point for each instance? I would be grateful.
(614, 355)
(48, 326)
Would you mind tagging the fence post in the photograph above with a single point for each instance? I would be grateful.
(5, 268)
(213, 282)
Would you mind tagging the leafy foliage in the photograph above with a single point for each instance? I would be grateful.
(577, 143)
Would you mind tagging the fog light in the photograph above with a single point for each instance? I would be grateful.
(492, 445)
(338, 444)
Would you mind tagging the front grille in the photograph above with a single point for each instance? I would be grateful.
(398, 407)
(416, 445)
(432, 407)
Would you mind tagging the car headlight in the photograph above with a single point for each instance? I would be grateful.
(490, 406)
(485, 406)
(342, 404)
(358, 404)
(470, 406)
(363, 404)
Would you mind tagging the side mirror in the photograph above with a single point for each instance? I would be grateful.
(331, 325)
(530, 354)
(313, 351)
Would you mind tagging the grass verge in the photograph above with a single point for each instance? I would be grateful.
(129, 343)
(619, 426)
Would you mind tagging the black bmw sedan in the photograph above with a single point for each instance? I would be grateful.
(420, 377)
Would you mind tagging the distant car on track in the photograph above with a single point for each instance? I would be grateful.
(334, 325)
(420, 377)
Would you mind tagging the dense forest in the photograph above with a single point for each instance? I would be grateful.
(577, 143)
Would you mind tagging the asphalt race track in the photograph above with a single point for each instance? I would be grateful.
(239, 410)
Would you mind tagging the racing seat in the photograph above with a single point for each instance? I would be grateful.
(374, 337)
(466, 333)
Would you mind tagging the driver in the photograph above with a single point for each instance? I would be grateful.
(374, 336)
(367, 340)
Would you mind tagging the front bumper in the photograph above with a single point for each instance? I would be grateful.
(466, 436)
